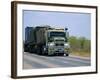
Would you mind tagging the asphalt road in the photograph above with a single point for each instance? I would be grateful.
(33, 61)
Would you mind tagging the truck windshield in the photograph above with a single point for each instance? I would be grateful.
(51, 35)
(57, 34)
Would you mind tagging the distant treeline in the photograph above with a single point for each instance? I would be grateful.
(80, 44)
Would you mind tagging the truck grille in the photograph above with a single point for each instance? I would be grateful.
(61, 44)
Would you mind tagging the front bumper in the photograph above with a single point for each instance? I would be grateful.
(56, 51)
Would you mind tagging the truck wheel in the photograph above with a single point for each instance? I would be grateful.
(44, 51)
(38, 51)
(66, 54)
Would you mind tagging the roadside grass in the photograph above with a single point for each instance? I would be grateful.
(81, 53)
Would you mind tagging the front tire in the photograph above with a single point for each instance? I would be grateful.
(66, 54)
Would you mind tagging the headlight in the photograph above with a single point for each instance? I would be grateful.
(67, 45)
(51, 44)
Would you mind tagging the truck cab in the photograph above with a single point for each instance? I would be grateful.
(57, 42)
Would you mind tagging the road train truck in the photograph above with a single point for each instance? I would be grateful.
(45, 40)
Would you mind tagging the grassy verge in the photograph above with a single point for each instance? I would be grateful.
(80, 53)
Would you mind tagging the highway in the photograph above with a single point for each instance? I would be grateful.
(34, 61)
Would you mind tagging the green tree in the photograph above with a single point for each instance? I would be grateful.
(79, 44)
(87, 46)
(82, 42)
(73, 43)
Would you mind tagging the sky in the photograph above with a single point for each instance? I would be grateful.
(78, 24)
